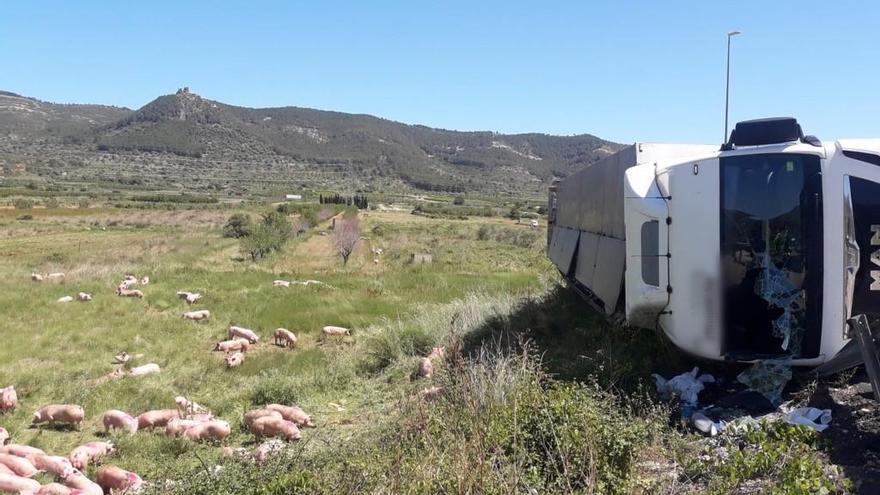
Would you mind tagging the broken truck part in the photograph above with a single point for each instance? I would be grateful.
(762, 249)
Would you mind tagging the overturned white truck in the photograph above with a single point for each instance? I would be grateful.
(761, 249)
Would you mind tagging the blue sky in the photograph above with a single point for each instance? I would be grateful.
(626, 71)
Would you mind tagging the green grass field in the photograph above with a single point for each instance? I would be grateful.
(539, 392)
(58, 353)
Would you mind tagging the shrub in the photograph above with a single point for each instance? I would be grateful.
(239, 225)
(51, 203)
(84, 203)
(509, 235)
(459, 201)
(22, 203)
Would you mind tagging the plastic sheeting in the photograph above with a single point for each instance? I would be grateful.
(767, 377)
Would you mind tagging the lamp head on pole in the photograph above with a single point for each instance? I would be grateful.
(733, 33)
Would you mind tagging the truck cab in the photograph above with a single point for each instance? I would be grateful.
(760, 249)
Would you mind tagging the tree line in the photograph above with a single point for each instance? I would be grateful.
(358, 200)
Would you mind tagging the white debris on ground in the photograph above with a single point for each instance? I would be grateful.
(686, 386)
(811, 417)
(767, 378)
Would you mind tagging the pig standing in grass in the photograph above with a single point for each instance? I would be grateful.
(36, 277)
(60, 413)
(238, 345)
(292, 413)
(8, 398)
(208, 430)
(115, 419)
(284, 337)
(83, 297)
(244, 333)
(92, 451)
(56, 277)
(157, 419)
(272, 426)
(11, 483)
(78, 481)
(116, 480)
(335, 331)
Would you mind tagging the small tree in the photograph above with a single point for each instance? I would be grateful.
(239, 225)
(258, 243)
(51, 203)
(265, 237)
(459, 200)
(346, 236)
(514, 213)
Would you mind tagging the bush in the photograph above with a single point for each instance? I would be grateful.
(458, 201)
(84, 203)
(51, 203)
(22, 203)
(239, 225)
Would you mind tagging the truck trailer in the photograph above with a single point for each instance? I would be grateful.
(762, 248)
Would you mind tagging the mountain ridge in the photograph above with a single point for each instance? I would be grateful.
(185, 124)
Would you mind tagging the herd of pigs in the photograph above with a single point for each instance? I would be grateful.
(274, 424)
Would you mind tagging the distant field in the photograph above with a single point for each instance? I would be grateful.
(58, 353)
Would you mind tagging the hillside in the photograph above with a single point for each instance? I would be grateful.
(186, 135)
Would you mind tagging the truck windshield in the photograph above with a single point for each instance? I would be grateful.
(771, 254)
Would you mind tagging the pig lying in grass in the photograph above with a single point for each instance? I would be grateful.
(273, 426)
(10, 483)
(292, 413)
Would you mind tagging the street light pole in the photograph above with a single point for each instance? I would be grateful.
(727, 89)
